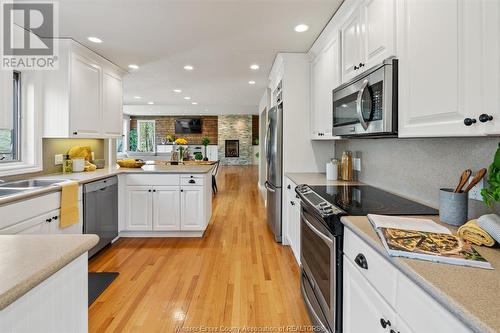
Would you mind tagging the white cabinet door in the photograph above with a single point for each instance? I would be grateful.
(166, 208)
(139, 208)
(421, 312)
(112, 104)
(192, 209)
(378, 31)
(37, 225)
(325, 72)
(447, 78)
(352, 52)
(85, 97)
(364, 309)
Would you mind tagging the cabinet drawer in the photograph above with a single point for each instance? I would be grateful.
(192, 180)
(421, 312)
(154, 179)
(379, 272)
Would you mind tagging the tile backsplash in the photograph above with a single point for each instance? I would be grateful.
(53, 147)
(418, 168)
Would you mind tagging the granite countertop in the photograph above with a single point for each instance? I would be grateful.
(471, 294)
(87, 177)
(311, 178)
(27, 260)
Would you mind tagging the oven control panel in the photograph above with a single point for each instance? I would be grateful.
(321, 205)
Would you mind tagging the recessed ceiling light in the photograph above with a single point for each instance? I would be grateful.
(137, 97)
(188, 67)
(344, 105)
(95, 40)
(187, 98)
(133, 66)
(177, 91)
(195, 103)
(151, 103)
(301, 28)
(254, 67)
(251, 82)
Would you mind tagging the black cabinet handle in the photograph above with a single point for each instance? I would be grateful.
(288, 187)
(356, 68)
(192, 181)
(469, 121)
(361, 65)
(55, 218)
(192, 177)
(154, 190)
(361, 261)
(48, 220)
(182, 190)
(292, 203)
(485, 118)
(384, 323)
(297, 196)
(393, 331)
(149, 190)
(75, 133)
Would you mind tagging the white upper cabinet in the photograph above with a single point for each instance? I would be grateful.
(112, 105)
(83, 98)
(448, 70)
(325, 76)
(368, 36)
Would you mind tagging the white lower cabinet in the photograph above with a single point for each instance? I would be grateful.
(291, 215)
(139, 208)
(364, 309)
(369, 302)
(40, 215)
(166, 215)
(192, 208)
(179, 204)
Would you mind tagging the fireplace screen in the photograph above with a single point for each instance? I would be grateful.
(232, 148)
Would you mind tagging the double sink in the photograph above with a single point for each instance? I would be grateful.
(22, 186)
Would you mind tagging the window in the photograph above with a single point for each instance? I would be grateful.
(10, 127)
(145, 136)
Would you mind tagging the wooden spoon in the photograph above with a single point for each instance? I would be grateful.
(463, 180)
(477, 178)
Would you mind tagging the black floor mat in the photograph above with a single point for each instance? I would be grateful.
(98, 282)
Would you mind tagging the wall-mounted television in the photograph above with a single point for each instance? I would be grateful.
(188, 126)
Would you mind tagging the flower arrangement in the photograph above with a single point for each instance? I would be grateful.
(181, 141)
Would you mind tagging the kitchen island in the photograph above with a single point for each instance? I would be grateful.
(44, 282)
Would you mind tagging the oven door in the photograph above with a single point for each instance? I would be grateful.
(365, 105)
(318, 253)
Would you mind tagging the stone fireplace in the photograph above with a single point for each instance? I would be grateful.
(232, 148)
(235, 139)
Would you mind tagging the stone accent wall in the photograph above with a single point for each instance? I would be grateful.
(166, 125)
(236, 127)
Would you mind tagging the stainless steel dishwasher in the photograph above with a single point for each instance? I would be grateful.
(100, 211)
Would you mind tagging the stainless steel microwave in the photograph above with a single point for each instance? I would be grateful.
(368, 104)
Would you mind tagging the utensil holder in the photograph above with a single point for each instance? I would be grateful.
(453, 207)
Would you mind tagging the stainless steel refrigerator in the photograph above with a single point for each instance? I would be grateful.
(274, 161)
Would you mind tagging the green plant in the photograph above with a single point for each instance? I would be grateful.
(492, 192)
(205, 141)
(198, 156)
(132, 140)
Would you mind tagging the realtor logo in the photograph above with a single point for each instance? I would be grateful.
(27, 35)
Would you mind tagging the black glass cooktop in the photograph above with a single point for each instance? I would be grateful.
(363, 199)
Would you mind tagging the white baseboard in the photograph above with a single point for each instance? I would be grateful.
(129, 234)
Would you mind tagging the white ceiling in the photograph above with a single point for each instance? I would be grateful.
(220, 38)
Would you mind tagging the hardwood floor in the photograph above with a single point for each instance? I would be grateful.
(235, 276)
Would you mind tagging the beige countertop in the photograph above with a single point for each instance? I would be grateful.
(311, 178)
(27, 260)
(471, 294)
(86, 177)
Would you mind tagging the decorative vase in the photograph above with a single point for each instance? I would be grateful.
(181, 154)
(205, 158)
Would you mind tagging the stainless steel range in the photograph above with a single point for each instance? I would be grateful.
(322, 241)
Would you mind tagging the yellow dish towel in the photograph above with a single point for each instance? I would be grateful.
(473, 233)
(69, 205)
